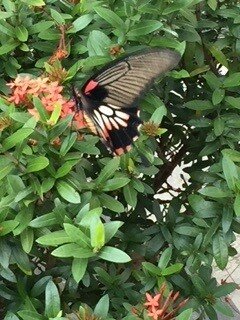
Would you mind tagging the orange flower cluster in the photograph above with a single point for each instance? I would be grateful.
(49, 92)
(159, 308)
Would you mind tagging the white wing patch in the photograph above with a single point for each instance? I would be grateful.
(114, 123)
(122, 115)
(106, 110)
(107, 122)
(110, 117)
(121, 122)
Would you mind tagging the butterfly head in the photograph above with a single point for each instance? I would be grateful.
(77, 98)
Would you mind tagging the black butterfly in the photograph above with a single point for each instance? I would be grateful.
(109, 100)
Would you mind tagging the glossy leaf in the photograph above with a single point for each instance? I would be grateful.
(68, 192)
(220, 250)
(37, 164)
(144, 27)
(102, 307)
(79, 266)
(111, 17)
(52, 300)
(114, 255)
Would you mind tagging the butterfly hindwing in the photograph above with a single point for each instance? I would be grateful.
(109, 99)
(117, 128)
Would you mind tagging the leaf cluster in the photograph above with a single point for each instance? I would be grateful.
(85, 236)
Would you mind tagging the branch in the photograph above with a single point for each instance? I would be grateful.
(167, 168)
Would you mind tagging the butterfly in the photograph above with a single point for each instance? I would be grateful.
(109, 99)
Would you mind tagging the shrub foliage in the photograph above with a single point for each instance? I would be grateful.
(79, 228)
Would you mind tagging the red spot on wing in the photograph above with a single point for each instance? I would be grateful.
(90, 86)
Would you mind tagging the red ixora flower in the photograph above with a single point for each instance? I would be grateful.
(24, 88)
(160, 308)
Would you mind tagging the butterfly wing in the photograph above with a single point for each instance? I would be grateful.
(110, 98)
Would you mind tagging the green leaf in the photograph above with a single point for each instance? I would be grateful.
(37, 164)
(8, 47)
(81, 22)
(97, 234)
(232, 81)
(98, 43)
(35, 3)
(224, 308)
(111, 229)
(175, 268)
(114, 255)
(12, 316)
(91, 217)
(130, 195)
(165, 258)
(203, 208)
(225, 289)
(214, 192)
(5, 170)
(58, 17)
(46, 220)
(5, 15)
(22, 260)
(68, 192)
(185, 315)
(158, 114)
(144, 27)
(102, 307)
(72, 250)
(5, 254)
(236, 205)
(110, 203)
(52, 300)
(115, 183)
(217, 96)
(111, 17)
(184, 74)
(27, 238)
(57, 108)
(176, 6)
(68, 142)
(41, 109)
(21, 33)
(79, 267)
(234, 155)
(54, 238)
(199, 285)
(199, 105)
(7, 227)
(108, 171)
(95, 61)
(40, 26)
(76, 235)
(220, 250)
(230, 172)
(152, 268)
(219, 56)
(187, 230)
(29, 315)
(218, 126)
(16, 138)
(234, 102)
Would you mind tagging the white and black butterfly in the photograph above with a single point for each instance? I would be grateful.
(109, 100)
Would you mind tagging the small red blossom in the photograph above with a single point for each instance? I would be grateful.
(160, 308)
(152, 301)
(49, 92)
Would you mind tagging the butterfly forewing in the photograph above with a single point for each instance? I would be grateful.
(127, 80)
(109, 99)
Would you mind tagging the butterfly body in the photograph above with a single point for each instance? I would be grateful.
(109, 100)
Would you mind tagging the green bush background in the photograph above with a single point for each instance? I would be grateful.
(70, 221)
